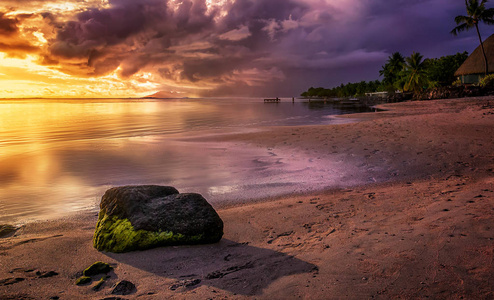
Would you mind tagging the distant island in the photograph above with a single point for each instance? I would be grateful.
(166, 95)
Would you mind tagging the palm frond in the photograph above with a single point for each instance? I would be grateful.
(463, 19)
(488, 21)
(460, 28)
(488, 14)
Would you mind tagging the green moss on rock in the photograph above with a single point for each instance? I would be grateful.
(118, 235)
(83, 280)
(97, 268)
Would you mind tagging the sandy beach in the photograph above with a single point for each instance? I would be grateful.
(420, 226)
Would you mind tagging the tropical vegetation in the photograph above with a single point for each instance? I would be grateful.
(442, 70)
(476, 13)
(487, 81)
(344, 90)
(391, 71)
(412, 74)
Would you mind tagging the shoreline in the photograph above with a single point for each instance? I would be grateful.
(423, 230)
(86, 163)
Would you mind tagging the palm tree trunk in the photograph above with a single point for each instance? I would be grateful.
(483, 51)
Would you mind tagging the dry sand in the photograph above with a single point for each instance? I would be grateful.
(424, 229)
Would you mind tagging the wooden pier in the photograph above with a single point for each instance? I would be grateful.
(272, 100)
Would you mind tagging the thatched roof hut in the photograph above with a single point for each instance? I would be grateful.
(473, 69)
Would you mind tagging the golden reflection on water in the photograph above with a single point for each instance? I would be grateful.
(37, 123)
(52, 153)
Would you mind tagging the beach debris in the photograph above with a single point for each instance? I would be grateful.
(124, 287)
(142, 217)
(46, 274)
(222, 273)
(9, 281)
(83, 280)
(98, 267)
(7, 230)
(22, 270)
(288, 233)
(185, 283)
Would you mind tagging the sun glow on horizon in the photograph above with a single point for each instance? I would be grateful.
(25, 78)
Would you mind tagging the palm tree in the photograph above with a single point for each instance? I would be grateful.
(415, 73)
(476, 12)
(391, 70)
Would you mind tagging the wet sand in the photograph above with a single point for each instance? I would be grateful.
(417, 222)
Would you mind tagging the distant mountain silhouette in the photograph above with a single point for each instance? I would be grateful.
(163, 95)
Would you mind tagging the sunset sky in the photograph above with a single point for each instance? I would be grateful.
(132, 48)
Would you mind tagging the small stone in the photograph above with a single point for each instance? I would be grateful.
(7, 230)
(124, 287)
(97, 268)
(185, 283)
(48, 274)
(83, 280)
(193, 282)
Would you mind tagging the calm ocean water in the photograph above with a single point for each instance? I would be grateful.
(59, 156)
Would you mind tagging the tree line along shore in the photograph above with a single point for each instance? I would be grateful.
(411, 74)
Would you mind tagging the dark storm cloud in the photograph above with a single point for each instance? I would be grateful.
(411, 25)
(136, 34)
(96, 28)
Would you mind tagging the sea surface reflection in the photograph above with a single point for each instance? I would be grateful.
(59, 156)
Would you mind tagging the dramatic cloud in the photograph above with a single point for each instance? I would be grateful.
(8, 26)
(224, 47)
(11, 39)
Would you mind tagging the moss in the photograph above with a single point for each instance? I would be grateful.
(97, 268)
(83, 280)
(118, 235)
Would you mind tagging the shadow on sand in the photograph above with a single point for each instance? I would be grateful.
(227, 265)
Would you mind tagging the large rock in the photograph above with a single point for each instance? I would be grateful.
(142, 217)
